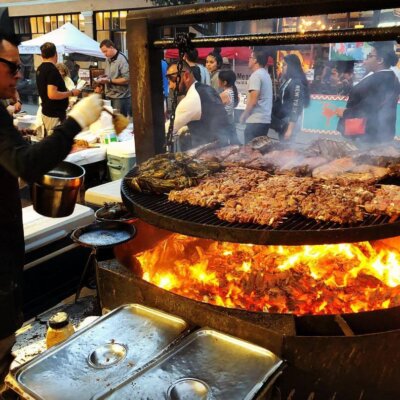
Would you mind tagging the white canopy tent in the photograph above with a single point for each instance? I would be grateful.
(67, 38)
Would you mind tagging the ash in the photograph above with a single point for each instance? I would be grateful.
(31, 338)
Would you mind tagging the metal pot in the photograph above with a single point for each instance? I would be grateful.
(116, 212)
(55, 194)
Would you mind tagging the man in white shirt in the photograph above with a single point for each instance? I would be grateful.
(201, 110)
(257, 114)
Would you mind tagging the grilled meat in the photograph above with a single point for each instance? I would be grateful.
(197, 151)
(334, 168)
(301, 166)
(382, 156)
(218, 188)
(346, 168)
(275, 160)
(269, 202)
(242, 158)
(330, 149)
(337, 203)
(386, 201)
(219, 154)
(166, 172)
(265, 144)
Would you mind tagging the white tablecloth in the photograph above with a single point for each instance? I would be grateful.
(26, 122)
(40, 231)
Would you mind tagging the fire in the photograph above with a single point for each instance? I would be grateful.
(321, 279)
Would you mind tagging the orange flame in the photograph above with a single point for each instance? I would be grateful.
(321, 279)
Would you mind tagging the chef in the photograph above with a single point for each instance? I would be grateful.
(30, 162)
(201, 110)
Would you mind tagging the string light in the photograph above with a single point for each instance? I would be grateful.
(311, 25)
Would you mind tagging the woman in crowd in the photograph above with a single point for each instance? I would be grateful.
(69, 83)
(230, 99)
(214, 64)
(293, 96)
(370, 113)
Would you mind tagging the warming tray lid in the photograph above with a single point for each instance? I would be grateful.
(113, 347)
(205, 365)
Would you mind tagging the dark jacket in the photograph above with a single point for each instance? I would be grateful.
(20, 159)
(214, 122)
(375, 99)
(293, 97)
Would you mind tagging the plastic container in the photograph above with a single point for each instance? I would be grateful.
(59, 329)
(55, 194)
(108, 135)
(121, 158)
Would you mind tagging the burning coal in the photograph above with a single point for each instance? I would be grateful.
(321, 279)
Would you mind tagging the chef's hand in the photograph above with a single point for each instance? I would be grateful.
(87, 111)
(17, 106)
(184, 131)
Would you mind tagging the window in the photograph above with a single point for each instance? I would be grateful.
(36, 26)
(112, 25)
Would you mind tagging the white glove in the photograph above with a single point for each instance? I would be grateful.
(87, 110)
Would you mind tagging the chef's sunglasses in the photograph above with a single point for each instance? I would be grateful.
(14, 67)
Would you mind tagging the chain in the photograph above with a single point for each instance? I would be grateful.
(183, 43)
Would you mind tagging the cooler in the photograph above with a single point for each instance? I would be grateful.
(53, 262)
(109, 192)
(121, 158)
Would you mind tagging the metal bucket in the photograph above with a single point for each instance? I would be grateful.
(55, 194)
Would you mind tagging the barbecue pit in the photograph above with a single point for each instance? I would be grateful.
(341, 350)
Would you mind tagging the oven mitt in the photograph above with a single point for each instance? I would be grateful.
(87, 110)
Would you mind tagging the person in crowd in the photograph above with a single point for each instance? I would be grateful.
(203, 75)
(75, 73)
(396, 71)
(230, 99)
(116, 78)
(13, 104)
(257, 114)
(345, 83)
(372, 103)
(201, 109)
(18, 158)
(329, 80)
(52, 90)
(69, 83)
(63, 70)
(73, 69)
(293, 96)
(164, 67)
(214, 64)
(225, 63)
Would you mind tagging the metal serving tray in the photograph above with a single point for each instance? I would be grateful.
(112, 348)
(206, 365)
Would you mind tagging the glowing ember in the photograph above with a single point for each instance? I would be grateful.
(326, 279)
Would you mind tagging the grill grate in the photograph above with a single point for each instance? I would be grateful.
(294, 230)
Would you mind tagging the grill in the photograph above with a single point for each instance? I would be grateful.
(295, 230)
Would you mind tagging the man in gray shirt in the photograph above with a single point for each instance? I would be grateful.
(116, 78)
(257, 114)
